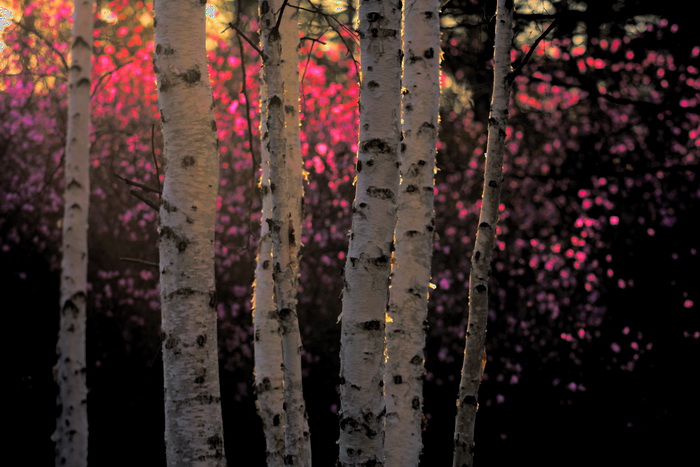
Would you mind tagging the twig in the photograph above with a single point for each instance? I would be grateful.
(145, 199)
(153, 153)
(313, 39)
(255, 159)
(514, 74)
(244, 91)
(242, 34)
(137, 184)
(140, 261)
(66, 67)
(99, 80)
(279, 15)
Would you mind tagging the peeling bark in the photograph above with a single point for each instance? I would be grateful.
(408, 300)
(71, 435)
(472, 369)
(371, 239)
(193, 424)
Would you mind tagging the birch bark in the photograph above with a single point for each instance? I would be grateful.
(281, 140)
(371, 238)
(71, 435)
(408, 299)
(467, 404)
(267, 346)
(193, 424)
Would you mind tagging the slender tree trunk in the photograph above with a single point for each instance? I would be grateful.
(371, 238)
(71, 435)
(269, 375)
(193, 425)
(408, 300)
(467, 404)
(286, 202)
(267, 346)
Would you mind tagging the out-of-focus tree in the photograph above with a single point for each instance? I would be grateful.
(71, 435)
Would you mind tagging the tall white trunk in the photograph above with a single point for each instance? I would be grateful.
(71, 435)
(267, 344)
(193, 425)
(408, 300)
(371, 238)
(467, 404)
(285, 186)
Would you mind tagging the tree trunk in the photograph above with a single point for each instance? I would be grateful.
(408, 300)
(472, 369)
(193, 425)
(285, 186)
(371, 238)
(267, 346)
(71, 435)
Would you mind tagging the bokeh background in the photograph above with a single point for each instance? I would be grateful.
(594, 332)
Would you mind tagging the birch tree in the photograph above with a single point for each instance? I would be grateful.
(472, 369)
(281, 141)
(408, 299)
(371, 238)
(71, 435)
(267, 344)
(193, 424)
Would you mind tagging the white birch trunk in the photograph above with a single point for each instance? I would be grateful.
(371, 239)
(408, 300)
(193, 425)
(71, 435)
(472, 369)
(267, 345)
(286, 199)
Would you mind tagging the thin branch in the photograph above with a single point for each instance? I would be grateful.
(66, 67)
(513, 74)
(109, 73)
(140, 196)
(279, 15)
(445, 5)
(307, 38)
(253, 155)
(140, 261)
(155, 159)
(244, 91)
(242, 34)
(137, 184)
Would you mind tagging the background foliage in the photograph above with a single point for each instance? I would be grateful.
(594, 332)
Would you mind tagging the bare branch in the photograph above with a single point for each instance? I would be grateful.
(140, 261)
(313, 39)
(242, 34)
(137, 184)
(66, 67)
(513, 74)
(140, 196)
(155, 159)
(109, 73)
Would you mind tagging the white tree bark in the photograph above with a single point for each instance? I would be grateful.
(472, 369)
(267, 345)
(408, 299)
(285, 186)
(71, 435)
(371, 238)
(193, 425)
